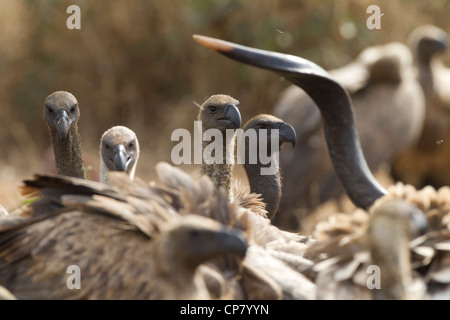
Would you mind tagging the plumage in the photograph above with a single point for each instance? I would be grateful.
(129, 240)
(119, 151)
(61, 113)
(254, 274)
(219, 112)
(267, 184)
(405, 234)
(426, 162)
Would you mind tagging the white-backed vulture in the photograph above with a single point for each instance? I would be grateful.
(219, 112)
(129, 241)
(273, 266)
(385, 96)
(426, 162)
(401, 245)
(268, 185)
(61, 113)
(119, 151)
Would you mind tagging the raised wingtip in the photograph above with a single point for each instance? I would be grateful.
(212, 43)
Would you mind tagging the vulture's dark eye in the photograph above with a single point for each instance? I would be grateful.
(49, 110)
(194, 233)
(131, 145)
(107, 147)
(261, 126)
(72, 109)
(212, 109)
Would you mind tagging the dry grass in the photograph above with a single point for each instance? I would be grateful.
(134, 63)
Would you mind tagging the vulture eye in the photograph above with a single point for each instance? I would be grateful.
(131, 145)
(194, 234)
(212, 109)
(261, 126)
(72, 109)
(107, 147)
(49, 110)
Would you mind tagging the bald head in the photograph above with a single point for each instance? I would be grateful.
(268, 122)
(119, 151)
(389, 216)
(221, 112)
(61, 112)
(426, 41)
(196, 239)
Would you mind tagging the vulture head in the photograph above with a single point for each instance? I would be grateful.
(267, 122)
(198, 239)
(426, 41)
(221, 112)
(119, 151)
(61, 113)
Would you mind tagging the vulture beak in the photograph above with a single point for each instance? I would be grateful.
(62, 124)
(442, 44)
(120, 158)
(231, 115)
(232, 241)
(335, 106)
(283, 64)
(286, 133)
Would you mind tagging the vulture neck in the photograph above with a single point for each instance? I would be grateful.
(269, 186)
(68, 156)
(104, 172)
(220, 173)
(425, 73)
(390, 252)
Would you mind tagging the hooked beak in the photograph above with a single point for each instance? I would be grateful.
(284, 64)
(62, 124)
(120, 158)
(232, 241)
(286, 133)
(232, 115)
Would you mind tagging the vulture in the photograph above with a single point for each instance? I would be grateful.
(426, 162)
(268, 185)
(119, 151)
(397, 250)
(176, 239)
(273, 267)
(417, 220)
(220, 118)
(385, 95)
(61, 113)
(219, 114)
(127, 240)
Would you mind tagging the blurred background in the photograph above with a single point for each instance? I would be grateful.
(134, 63)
